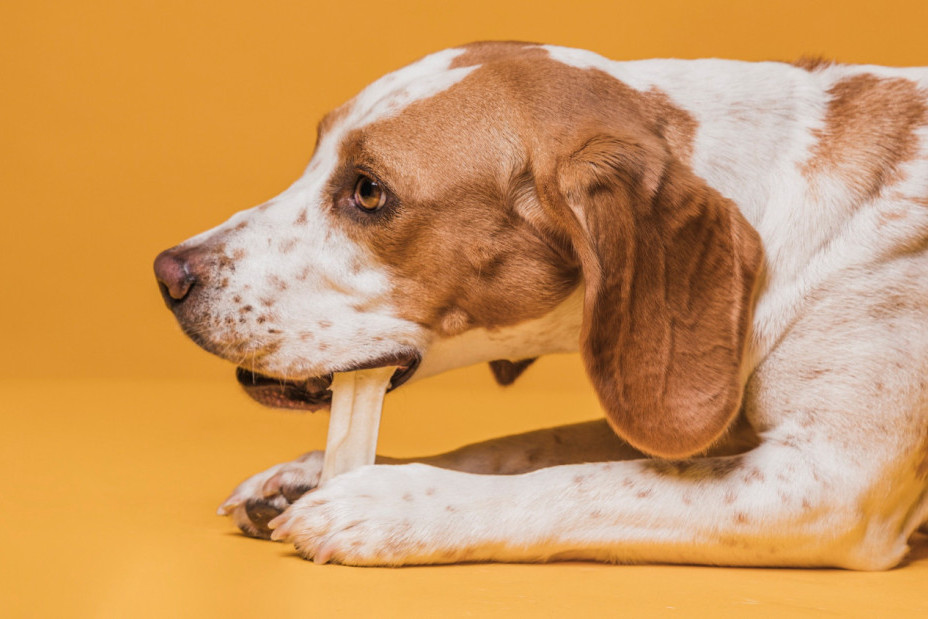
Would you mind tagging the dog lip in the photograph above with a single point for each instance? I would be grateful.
(314, 393)
(311, 394)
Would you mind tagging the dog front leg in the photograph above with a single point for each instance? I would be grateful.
(266, 495)
(776, 505)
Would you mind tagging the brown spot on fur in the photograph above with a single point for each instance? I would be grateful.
(278, 282)
(643, 494)
(741, 518)
(239, 254)
(813, 63)
(224, 262)
(430, 491)
(307, 335)
(325, 324)
(245, 309)
(869, 132)
(267, 301)
(241, 225)
(237, 299)
(814, 373)
(301, 218)
(224, 283)
(286, 246)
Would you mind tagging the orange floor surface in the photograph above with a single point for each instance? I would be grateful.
(110, 491)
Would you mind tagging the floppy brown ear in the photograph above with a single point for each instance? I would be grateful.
(669, 266)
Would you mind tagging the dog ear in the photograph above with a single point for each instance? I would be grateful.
(669, 267)
(506, 372)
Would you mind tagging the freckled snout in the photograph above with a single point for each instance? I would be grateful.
(177, 272)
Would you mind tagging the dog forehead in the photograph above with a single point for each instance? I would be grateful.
(393, 92)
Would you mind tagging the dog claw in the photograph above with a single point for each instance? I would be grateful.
(228, 506)
(279, 528)
(324, 554)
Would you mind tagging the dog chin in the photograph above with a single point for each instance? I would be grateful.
(315, 393)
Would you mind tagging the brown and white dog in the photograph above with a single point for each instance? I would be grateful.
(738, 250)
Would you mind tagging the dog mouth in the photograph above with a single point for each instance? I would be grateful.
(314, 393)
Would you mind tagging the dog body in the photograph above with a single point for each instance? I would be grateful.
(738, 250)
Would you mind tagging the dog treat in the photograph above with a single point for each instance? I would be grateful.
(357, 401)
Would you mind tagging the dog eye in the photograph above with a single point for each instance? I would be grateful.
(369, 194)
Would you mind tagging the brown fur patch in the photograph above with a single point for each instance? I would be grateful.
(813, 63)
(484, 247)
(869, 132)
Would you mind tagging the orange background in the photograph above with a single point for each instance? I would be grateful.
(129, 126)
(126, 127)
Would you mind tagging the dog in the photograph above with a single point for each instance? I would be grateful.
(739, 252)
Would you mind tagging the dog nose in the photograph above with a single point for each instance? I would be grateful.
(175, 275)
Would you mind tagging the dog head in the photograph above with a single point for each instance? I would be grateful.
(474, 192)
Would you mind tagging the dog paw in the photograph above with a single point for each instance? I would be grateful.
(262, 497)
(380, 515)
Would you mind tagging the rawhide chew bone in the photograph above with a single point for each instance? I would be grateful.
(357, 401)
